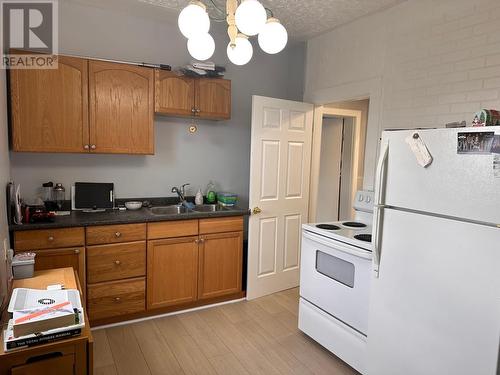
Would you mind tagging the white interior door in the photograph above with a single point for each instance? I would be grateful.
(279, 192)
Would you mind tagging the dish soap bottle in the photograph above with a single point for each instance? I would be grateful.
(198, 199)
(211, 196)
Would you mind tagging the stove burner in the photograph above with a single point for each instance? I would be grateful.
(327, 226)
(364, 237)
(354, 224)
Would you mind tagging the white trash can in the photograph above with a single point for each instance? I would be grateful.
(23, 265)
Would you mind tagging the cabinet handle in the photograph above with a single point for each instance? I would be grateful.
(196, 241)
(117, 262)
(198, 110)
(193, 110)
(92, 147)
(86, 147)
(77, 251)
(202, 240)
(117, 299)
(118, 234)
(50, 238)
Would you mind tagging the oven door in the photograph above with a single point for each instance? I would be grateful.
(336, 278)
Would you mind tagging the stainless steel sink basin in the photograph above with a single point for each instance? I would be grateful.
(209, 208)
(168, 210)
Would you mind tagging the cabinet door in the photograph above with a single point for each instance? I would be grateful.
(49, 107)
(220, 264)
(60, 258)
(174, 95)
(213, 98)
(172, 276)
(121, 108)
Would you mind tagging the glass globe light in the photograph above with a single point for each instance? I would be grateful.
(273, 37)
(250, 17)
(243, 51)
(201, 47)
(194, 20)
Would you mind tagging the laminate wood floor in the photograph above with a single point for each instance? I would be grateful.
(256, 337)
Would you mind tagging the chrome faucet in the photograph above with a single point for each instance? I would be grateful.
(181, 192)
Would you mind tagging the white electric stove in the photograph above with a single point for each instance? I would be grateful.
(336, 263)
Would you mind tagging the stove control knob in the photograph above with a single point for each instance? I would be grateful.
(368, 199)
(360, 198)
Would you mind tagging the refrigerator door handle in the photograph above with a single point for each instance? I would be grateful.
(379, 189)
(377, 233)
(378, 209)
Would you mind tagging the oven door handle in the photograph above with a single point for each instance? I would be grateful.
(338, 246)
(378, 209)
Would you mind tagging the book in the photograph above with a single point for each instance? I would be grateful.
(11, 342)
(28, 321)
(42, 302)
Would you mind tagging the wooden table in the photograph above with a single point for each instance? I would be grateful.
(70, 356)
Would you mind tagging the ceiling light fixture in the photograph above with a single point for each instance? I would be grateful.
(244, 19)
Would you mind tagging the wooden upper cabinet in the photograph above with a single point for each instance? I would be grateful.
(174, 94)
(50, 107)
(206, 98)
(121, 108)
(213, 98)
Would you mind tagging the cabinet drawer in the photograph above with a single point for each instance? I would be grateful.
(221, 225)
(56, 365)
(115, 233)
(116, 261)
(170, 229)
(116, 298)
(48, 238)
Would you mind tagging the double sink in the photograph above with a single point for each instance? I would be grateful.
(179, 209)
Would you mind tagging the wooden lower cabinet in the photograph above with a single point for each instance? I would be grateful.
(114, 298)
(116, 261)
(220, 262)
(49, 238)
(172, 276)
(182, 263)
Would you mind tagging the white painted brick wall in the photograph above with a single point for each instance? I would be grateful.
(439, 60)
(457, 62)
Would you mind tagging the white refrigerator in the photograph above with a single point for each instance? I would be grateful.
(435, 298)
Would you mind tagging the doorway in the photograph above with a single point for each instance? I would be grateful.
(335, 175)
(337, 160)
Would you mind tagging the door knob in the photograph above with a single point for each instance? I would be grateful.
(256, 210)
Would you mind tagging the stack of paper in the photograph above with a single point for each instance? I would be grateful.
(41, 316)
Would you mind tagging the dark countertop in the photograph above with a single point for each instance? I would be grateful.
(144, 215)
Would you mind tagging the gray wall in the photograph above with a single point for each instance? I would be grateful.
(219, 151)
